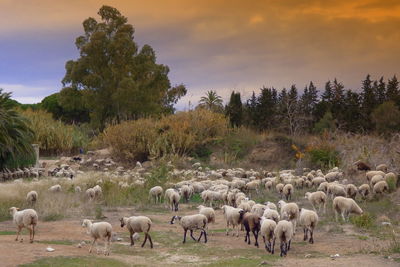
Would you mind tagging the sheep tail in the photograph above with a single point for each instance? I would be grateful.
(149, 226)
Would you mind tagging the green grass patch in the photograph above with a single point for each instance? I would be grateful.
(238, 262)
(58, 242)
(75, 262)
(362, 237)
(52, 217)
(8, 233)
(365, 221)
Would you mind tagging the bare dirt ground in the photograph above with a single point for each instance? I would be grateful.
(64, 236)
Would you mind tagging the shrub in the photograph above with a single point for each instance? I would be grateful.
(392, 183)
(323, 157)
(178, 134)
(365, 221)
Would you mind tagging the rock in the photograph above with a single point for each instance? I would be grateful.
(119, 239)
(308, 256)
(50, 249)
(263, 263)
(386, 223)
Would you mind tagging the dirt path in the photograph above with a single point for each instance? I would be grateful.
(346, 244)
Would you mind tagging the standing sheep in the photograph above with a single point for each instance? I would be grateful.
(364, 190)
(271, 215)
(308, 219)
(290, 212)
(287, 191)
(279, 189)
(267, 232)
(192, 222)
(25, 219)
(232, 217)
(32, 197)
(138, 224)
(186, 192)
(99, 230)
(382, 167)
(156, 193)
(55, 188)
(380, 188)
(317, 198)
(251, 222)
(345, 206)
(209, 213)
(284, 232)
(351, 191)
(172, 197)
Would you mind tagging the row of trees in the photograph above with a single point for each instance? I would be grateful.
(374, 107)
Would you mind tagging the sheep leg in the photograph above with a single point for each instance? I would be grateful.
(245, 237)
(311, 236)
(91, 247)
(255, 233)
(273, 246)
(227, 228)
(191, 235)
(288, 244)
(107, 245)
(344, 219)
(205, 236)
(184, 236)
(305, 230)
(336, 216)
(201, 234)
(151, 242)
(237, 231)
(18, 232)
(145, 239)
(282, 249)
(33, 233)
(130, 235)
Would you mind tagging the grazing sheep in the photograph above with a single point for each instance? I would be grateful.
(271, 214)
(192, 222)
(308, 219)
(333, 176)
(27, 218)
(361, 166)
(317, 198)
(382, 167)
(268, 185)
(78, 189)
(375, 179)
(258, 209)
(156, 193)
(284, 232)
(209, 213)
(138, 224)
(364, 190)
(172, 197)
(287, 191)
(97, 191)
(336, 190)
(32, 197)
(345, 206)
(99, 230)
(380, 188)
(55, 188)
(186, 192)
(245, 205)
(251, 222)
(351, 191)
(279, 189)
(317, 181)
(267, 232)
(270, 205)
(371, 174)
(232, 217)
(323, 187)
(289, 211)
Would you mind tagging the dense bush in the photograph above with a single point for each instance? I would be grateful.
(178, 134)
(323, 157)
(53, 136)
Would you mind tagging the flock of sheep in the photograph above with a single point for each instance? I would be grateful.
(231, 190)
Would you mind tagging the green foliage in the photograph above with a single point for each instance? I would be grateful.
(365, 221)
(392, 183)
(15, 136)
(326, 123)
(212, 101)
(386, 118)
(98, 212)
(234, 110)
(116, 79)
(323, 157)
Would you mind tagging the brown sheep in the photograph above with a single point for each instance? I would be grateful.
(361, 166)
(251, 222)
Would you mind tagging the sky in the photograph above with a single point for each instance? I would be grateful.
(210, 44)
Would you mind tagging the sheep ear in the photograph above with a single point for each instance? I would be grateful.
(17, 208)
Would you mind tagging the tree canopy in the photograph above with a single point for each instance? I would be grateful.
(117, 79)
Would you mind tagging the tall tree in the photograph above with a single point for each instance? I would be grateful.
(308, 104)
(380, 91)
(234, 109)
(118, 80)
(369, 101)
(211, 101)
(393, 91)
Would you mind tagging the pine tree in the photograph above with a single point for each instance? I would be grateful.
(369, 101)
(380, 91)
(234, 110)
(393, 91)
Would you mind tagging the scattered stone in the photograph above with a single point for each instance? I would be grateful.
(263, 263)
(50, 249)
(308, 256)
(119, 239)
(386, 223)
(335, 256)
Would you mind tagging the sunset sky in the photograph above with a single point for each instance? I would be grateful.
(220, 45)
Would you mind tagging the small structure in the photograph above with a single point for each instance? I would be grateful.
(36, 148)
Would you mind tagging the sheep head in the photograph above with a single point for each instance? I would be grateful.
(13, 210)
(175, 218)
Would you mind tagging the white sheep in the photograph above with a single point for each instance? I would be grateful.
(382, 167)
(375, 179)
(284, 232)
(318, 199)
(32, 197)
(186, 192)
(245, 205)
(99, 230)
(309, 220)
(336, 190)
(351, 191)
(287, 191)
(371, 174)
(364, 190)
(90, 194)
(172, 197)
(78, 189)
(270, 205)
(55, 188)
(272, 215)
(323, 187)
(97, 191)
(345, 206)
(27, 218)
(268, 185)
(279, 188)
(290, 212)
(232, 217)
(209, 213)
(267, 232)
(192, 222)
(380, 188)
(156, 193)
(258, 209)
(138, 224)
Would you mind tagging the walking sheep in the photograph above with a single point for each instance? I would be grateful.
(156, 193)
(232, 217)
(288, 191)
(192, 222)
(308, 219)
(99, 230)
(267, 232)
(138, 224)
(317, 198)
(172, 197)
(251, 222)
(284, 233)
(27, 218)
(32, 197)
(345, 206)
(290, 212)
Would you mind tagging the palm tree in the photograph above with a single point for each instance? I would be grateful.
(211, 101)
(15, 134)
